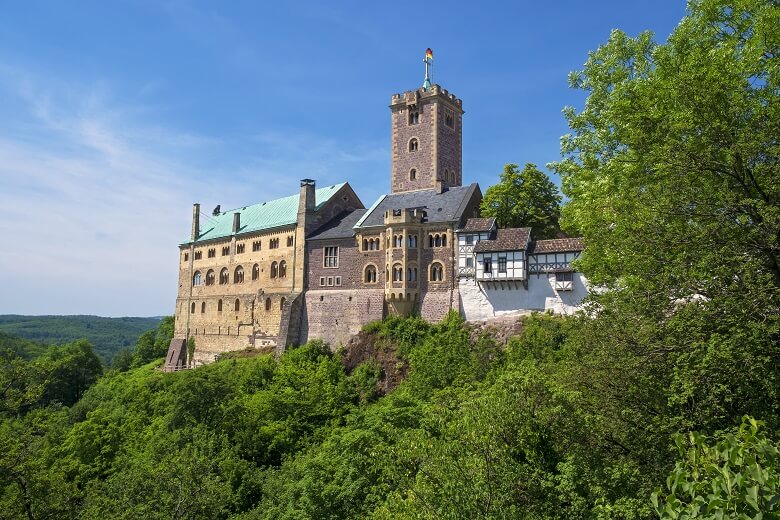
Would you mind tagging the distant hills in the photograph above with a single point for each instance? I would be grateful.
(107, 335)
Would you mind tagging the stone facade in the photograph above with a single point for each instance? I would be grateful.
(434, 119)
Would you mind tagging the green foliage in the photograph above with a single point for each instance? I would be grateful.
(525, 198)
(153, 344)
(108, 335)
(738, 476)
(70, 370)
(190, 349)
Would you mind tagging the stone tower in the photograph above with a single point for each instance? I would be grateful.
(427, 139)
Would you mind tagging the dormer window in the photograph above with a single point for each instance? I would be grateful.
(414, 117)
(413, 144)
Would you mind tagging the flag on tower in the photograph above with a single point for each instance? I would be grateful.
(428, 54)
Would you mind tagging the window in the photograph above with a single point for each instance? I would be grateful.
(186, 256)
(282, 269)
(196, 278)
(330, 281)
(412, 174)
(238, 275)
(273, 243)
(192, 308)
(437, 240)
(255, 272)
(281, 303)
(398, 273)
(225, 250)
(198, 255)
(414, 117)
(449, 118)
(469, 262)
(203, 308)
(219, 306)
(237, 305)
(290, 241)
(411, 274)
(413, 144)
(437, 272)
(240, 248)
(488, 266)
(337, 281)
(210, 277)
(256, 245)
(444, 241)
(331, 258)
(268, 304)
(412, 240)
(322, 281)
(274, 269)
(501, 264)
(398, 240)
(211, 253)
(224, 276)
(564, 281)
(469, 240)
(369, 275)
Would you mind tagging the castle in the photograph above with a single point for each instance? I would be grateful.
(319, 264)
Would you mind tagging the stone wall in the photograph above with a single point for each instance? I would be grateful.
(335, 315)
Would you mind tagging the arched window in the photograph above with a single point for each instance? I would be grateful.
(437, 272)
(196, 279)
(274, 270)
(282, 302)
(210, 277)
(412, 174)
(412, 240)
(192, 308)
(437, 241)
(237, 306)
(282, 269)
(447, 175)
(430, 240)
(377, 243)
(219, 306)
(268, 304)
(413, 144)
(370, 274)
(238, 275)
(203, 308)
(444, 241)
(224, 276)
(398, 273)
(255, 272)
(365, 244)
(411, 274)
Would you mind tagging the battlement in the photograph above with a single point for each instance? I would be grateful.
(413, 97)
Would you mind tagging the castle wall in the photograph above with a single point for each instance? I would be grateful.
(479, 301)
(335, 315)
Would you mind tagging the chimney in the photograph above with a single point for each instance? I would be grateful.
(440, 186)
(195, 221)
(236, 222)
(306, 202)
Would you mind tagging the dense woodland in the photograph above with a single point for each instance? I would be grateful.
(661, 399)
(108, 335)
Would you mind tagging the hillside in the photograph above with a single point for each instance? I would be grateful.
(108, 335)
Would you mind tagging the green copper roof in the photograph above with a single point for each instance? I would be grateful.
(258, 217)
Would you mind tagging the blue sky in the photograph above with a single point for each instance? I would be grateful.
(116, 116)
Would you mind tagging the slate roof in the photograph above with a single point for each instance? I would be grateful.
(557, 245)
(510, 239)
(440, 207)
(479, 225)
(341, 226)
(257, 217)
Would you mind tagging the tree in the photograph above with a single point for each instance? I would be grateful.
(736, 477)
(69, 371)
(524, 199)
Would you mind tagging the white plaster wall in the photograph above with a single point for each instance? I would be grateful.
(482, 301)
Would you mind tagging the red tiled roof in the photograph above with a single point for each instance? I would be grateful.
(557, 245)
(479, 225)
(511, 239)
